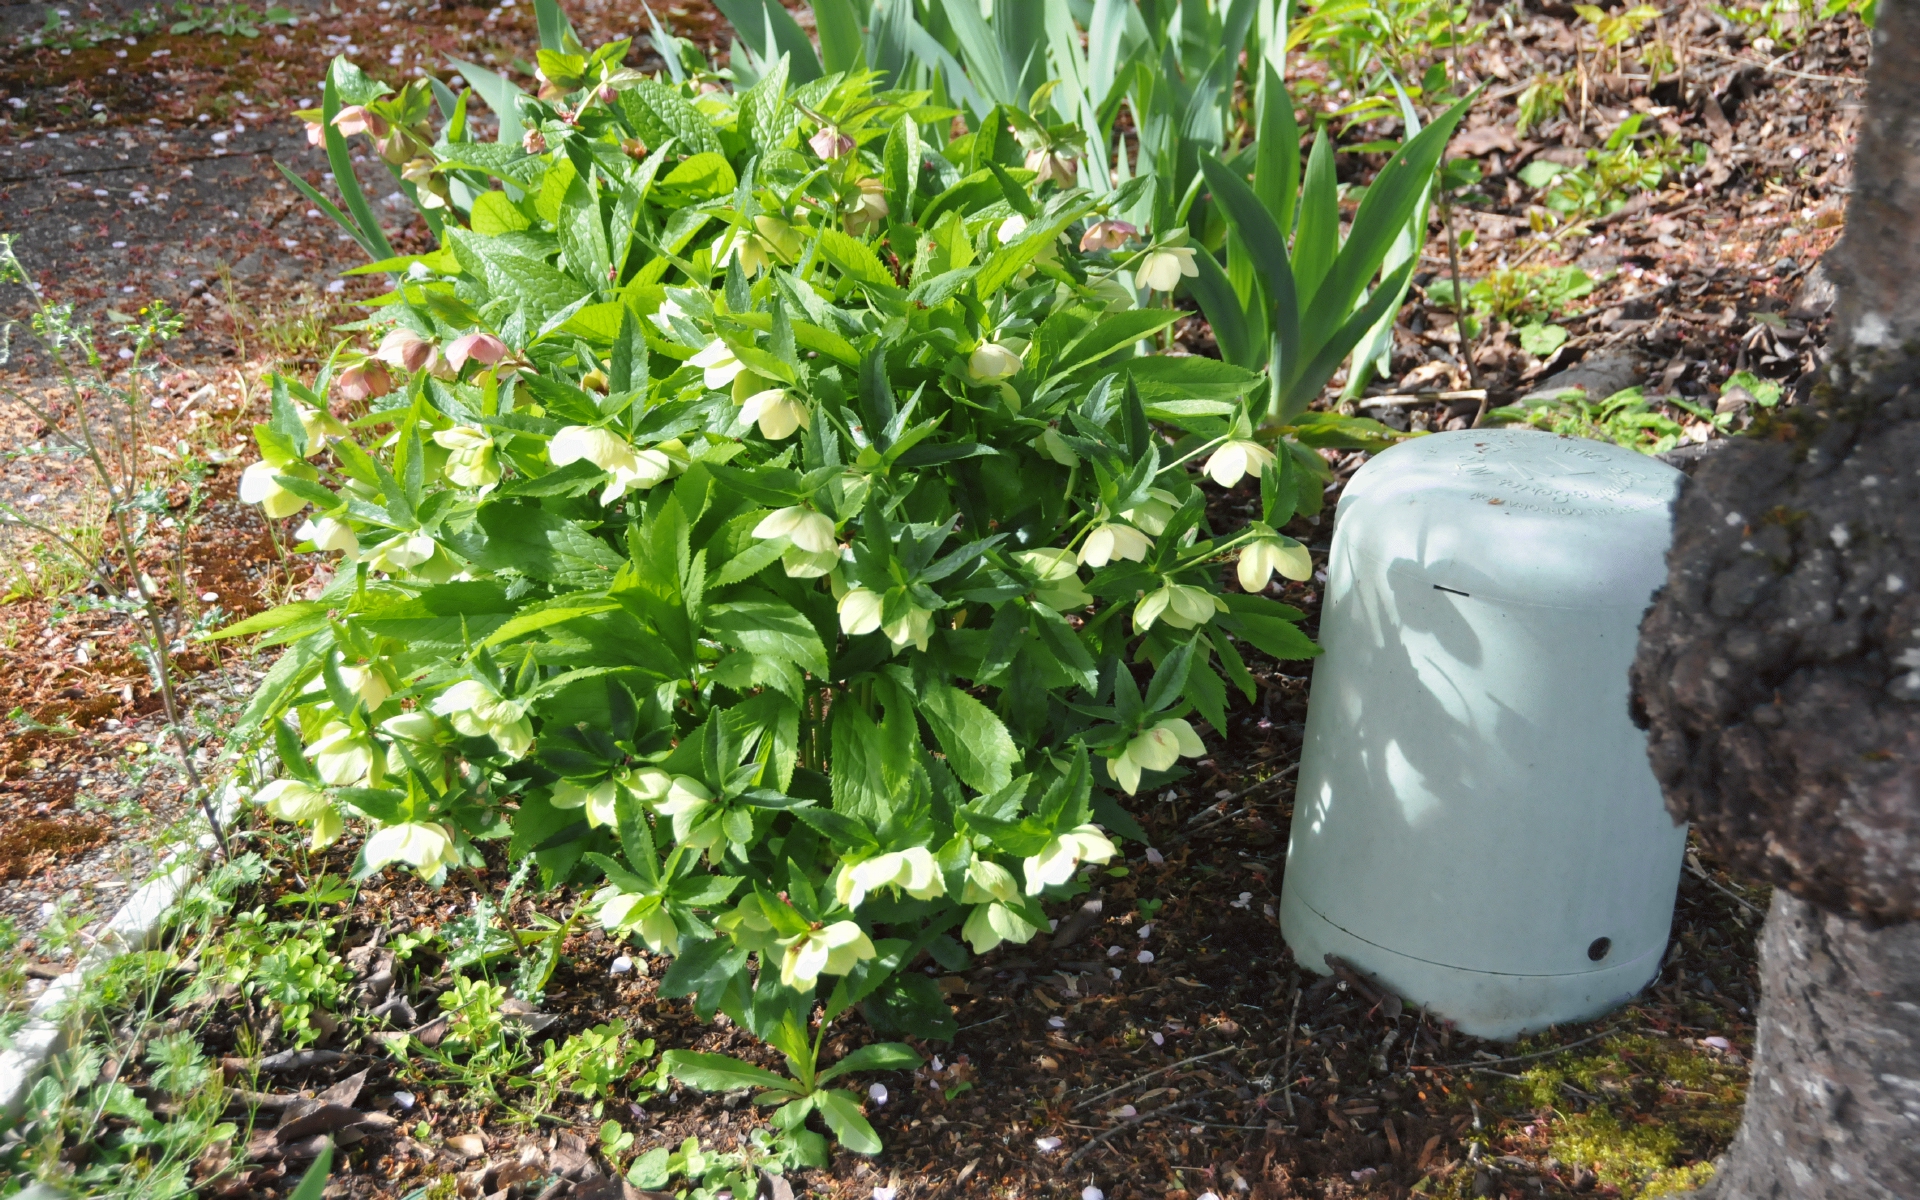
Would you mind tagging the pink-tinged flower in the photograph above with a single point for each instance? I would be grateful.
(533, 142)
(1054, 164)
(830, 143)
(1107, 235)
(316, 133)
(608, 94)
(363, 381)
(405, 349)
(358, 118)
(483, 348)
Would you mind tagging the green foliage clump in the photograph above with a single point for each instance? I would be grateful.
(759, 511)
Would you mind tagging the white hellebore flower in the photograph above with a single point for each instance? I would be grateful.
(916, 627)
(330, 534)
(1110, 540)
(472, 463)
(1266, 557)
(401, 553)
(292, 800)
(1156, 749)
(426, 846)
(476, 710)
(808, 530)
(1236, 458)
(990, 924)
(1059, 572)
(369, 684)
(992, 362)
(663, 316)
(1153, 513)
(258, 486)
(777, 413)
(1161, 270)
(719, 364)
(657, 927)
(1181, 605)
(1058, 859)
(834, 950)
(1011, 228)
(912, 870)
(860, 611)
(988, 880)
(342, 756)
(610, 452)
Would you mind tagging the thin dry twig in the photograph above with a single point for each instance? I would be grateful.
(1135, 1082)
(1131, 1122)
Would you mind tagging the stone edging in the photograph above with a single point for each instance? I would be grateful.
(133, 928)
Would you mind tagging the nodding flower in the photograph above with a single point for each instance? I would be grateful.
(533, 142)
(407, 350)
(1107, 235)
(366, 380)
(358, 118)
(1053, 164)
(830, 143)
(426, 846)
(483, 348)
(1161, 270)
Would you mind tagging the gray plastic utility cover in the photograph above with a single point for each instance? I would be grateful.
(1476, 824)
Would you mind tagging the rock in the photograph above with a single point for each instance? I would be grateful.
(1599, 377)
(1816, 297)
(467, 1145)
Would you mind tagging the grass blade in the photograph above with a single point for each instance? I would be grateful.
(1276, 162)
(1318, 241)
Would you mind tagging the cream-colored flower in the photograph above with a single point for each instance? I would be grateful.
(860, 611)
(292, 800)
(1181, 605)
(1266, 557)
(993, 362)
(988, 925)
(1063, 854)
(808, 564)
(1155, 749)
(915, 628)
(718, 364)
(601, 447)
(1236, 458)
(911, 870)
(1110, 540)
(1011, 228)
(368, 684)
(808, 530)
(834, 950)
(988, 880)
(1059, 572)
(647, 914)
(342, 755)
(1161, 270)
(597, 798)
(472, 462)
(426, 846)
(663, 316)
(1153, 513)
(402, 553)
(777, 413)
(319, 425)
(329, 534)
(258, 486)
(870, 210)
(476, 710)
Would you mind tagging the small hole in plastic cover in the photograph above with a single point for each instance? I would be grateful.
(1598, 949)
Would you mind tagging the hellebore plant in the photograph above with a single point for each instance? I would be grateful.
(764, 532)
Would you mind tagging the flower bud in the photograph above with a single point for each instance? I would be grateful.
(633, 148)
(533, 142)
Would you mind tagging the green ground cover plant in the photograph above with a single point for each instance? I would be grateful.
(760, 511)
